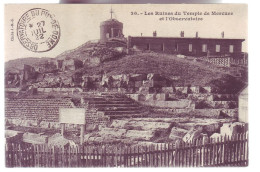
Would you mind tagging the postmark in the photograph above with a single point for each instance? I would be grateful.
(38, 30)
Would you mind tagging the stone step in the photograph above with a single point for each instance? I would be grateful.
(121, 112)
(114, 105)
(110, 102)
(119, 108)
(106, 98)
(118, 116)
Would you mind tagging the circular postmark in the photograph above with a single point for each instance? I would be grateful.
(38, 30)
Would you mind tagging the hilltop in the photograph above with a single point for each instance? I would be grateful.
(190, 71)
(19, 63)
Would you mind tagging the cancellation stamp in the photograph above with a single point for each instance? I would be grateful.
(38, 30)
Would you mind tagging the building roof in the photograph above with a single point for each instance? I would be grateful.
(199, 38)
(111, 22)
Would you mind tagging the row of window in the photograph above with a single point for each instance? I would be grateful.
(205, 48)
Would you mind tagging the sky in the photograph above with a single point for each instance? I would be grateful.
(80, 23)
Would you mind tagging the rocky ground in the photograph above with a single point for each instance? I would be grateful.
(132, 131)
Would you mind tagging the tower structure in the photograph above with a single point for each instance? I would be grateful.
(110, 28)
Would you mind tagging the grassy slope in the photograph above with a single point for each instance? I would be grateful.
(19, 63)
(191, 72)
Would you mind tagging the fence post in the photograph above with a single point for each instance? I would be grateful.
(165, 152)
(246, 149)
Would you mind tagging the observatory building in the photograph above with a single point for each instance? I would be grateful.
(110, 28)
(111, 33)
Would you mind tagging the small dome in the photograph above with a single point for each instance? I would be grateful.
(111, 22)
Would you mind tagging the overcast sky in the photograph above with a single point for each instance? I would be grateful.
(80, 23)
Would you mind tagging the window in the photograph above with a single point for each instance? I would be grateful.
(162, 47)
(217, 48)
(231, 48)
(204, 47)
(176, 47)
(190, 47)
(148, 47)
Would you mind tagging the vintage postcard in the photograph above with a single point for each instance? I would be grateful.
(126, 85)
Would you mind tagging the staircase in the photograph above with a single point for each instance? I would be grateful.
(115, 105)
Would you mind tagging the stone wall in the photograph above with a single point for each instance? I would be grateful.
(223, 61)
(65, 90)
(233, 113)
(180, 104)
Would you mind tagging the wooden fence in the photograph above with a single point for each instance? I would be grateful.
(225, 151)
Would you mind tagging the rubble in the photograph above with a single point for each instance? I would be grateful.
(177, 133)
(112, 132)
(58, 140)
(192, 134)
(230, 129)
(13, 136)
(35, 138)
(139, 135)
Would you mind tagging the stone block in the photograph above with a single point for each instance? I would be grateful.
(139, 135)
(112, 132)
(149, 97)
(206, 89)
(150, 76)
(47, 90)
(207, 112)
(216, 137)
(45, 124)
(183, 103)
(116, 84)
(211, 128)
(168, 104)
(141, 97)
(167, 89)
(183, 90)
(138, 84)
(175, 78)
(199, 96)
(130, 90)
(154, 90)
(154, 76)
(159, 83)
(121, 90)
(233, 113)
(177, 133)
(40, 89)
(194, 89)
(143, 90)
(138, 77)
(161, 97)
(58, 140)
(231, 129)
(192, 134)
(147, 125)
(131, 84)
(35, 138)
(148, 83)
(119, 123)
(134, 96)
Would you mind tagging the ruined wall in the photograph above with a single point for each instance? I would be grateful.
(29, 73)
(224, 61)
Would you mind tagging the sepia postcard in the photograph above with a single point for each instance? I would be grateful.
(147, 85)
